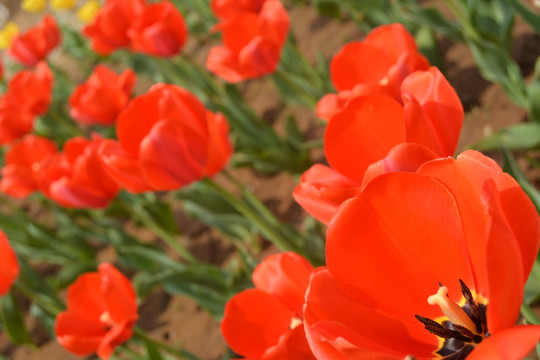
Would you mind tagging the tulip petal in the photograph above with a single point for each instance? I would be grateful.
(433, 111)
(118, 293)
(85, 300)
(254, 321)
(322, 190)
(403, 157)
(363, 133)
(503, 266)
(77, 335)
(171, 156)
(285, 276)
(125, 170)
(358, 62)
(10, 266)
(339, 327)
(509, 344)
(392, 245)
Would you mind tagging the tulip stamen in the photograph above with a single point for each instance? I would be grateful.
(453, 311)
(463, 325)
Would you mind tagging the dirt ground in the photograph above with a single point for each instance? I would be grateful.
(178, 320)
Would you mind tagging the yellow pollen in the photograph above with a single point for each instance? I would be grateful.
(453, 311)
(384, 81)
(106, 318)
(295, 322)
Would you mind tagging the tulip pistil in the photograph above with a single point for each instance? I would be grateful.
(463, 325)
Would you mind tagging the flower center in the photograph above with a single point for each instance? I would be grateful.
(463, 325)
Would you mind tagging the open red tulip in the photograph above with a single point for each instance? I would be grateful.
(100, 99)
(109, 30)
(23, 163)
(159, 30)
(266, 322)
(101, 312)
(166, 139)
(430, 264)
(377, 65)
(253, 34)
(31, 90)
(377, 134)
(10, 266)
(77, 177)
(34, 45)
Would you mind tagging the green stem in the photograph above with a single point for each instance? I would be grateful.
(139, 213)
(141, 335)
(468, 30)
(48, 306)
(529, 315)
(257, 214)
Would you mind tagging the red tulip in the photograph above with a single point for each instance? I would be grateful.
(377, 135)
(429, 264)
(159, 30)
(31, 90)
(15, 122)
(253, 34)
(377, 65)
(166, 139)
(101, 98)
(10, 266)
(266, 322)
(76, 177)
(101, 312)
(20, 175)
(34, 45)
(109, 30)
(229, 8)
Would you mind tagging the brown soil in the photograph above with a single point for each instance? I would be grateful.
(178, 320)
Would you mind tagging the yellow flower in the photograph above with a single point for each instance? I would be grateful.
(88, 11)
(7, 34)
(62, 4)
(33, 5)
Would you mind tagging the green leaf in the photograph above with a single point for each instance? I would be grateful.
(329, 8)
(513, 169)
(531, 18)
(152, 351)
(522, 136)
(13, 320)
(496, 65)
(532, 286)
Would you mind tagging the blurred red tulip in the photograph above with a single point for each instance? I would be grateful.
(100, 99)
(109, 30)
(10, 266)
(266, 322)
(377, 65)
(34, 45)
(228, 8)
(101, 312)
(253, 34)
(31, 90)
(375, 134)
(23, 163)
(76, 177)
(15, 122)
(429, 264)
(159, 30)
(166, 139)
